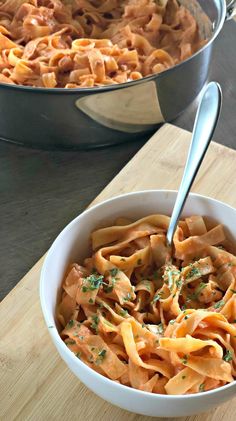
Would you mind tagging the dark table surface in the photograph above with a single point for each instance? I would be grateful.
(41, 191)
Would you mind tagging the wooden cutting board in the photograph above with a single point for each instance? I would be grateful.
(35, 384)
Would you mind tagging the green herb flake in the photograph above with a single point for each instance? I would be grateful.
(114, 271)
(184, 360)
(123, 312)
(228, 356)
(109, 288)
(233, 291)
(91, 301)
(160, 328)
(95, 322)
(128, 297)
(51, 327)
(172, 322)
(202, 387)
(183, 377)
(179, 283)
(101, 356)
(183, 308)
(78, 355)
(139, 262)
(71, 323)
(157, 297)
(102, 353)
(123, 259)
(193, 272)
(92, 282)
(219, 304)
(186, 317)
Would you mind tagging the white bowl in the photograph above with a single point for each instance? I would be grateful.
(72, 245)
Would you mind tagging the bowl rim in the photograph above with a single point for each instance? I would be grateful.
(58, 342)
(108, 88)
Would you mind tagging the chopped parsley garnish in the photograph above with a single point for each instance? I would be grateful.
(91, 301)
(71, 323)
(114, 271)
(170, 274)
(183, 377)
(128, 297)
(157, 297)
(92, 282)
(102, 353)
(109, 288)
(233, 291)
(186, 317)
(183, 307)
(193, 272)
(202, 387)
(123, 312)
(123, 259)
(172, 322)
(139, 262)
(78, 355)
(160, 328)
(95, 322)
(219, 304)
(228, 356)
(101, 356)
(179, 283)
(184, 359)
(234, 321)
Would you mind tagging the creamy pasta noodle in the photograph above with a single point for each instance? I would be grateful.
(86, 43)
(151, 318)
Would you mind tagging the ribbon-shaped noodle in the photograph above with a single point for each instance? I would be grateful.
(56, 43)
(159, 320)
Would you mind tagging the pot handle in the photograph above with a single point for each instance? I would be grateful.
(230, 9)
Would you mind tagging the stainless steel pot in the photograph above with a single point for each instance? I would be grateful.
(85, 118)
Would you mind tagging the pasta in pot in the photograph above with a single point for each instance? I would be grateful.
(86, 43)
(152, 318)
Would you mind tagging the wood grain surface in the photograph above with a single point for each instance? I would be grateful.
(41, 191)
(35, 384)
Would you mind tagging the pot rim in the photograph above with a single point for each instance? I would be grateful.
(108, 88)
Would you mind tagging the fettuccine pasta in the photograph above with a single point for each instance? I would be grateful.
(86, 43)
(152, 318)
